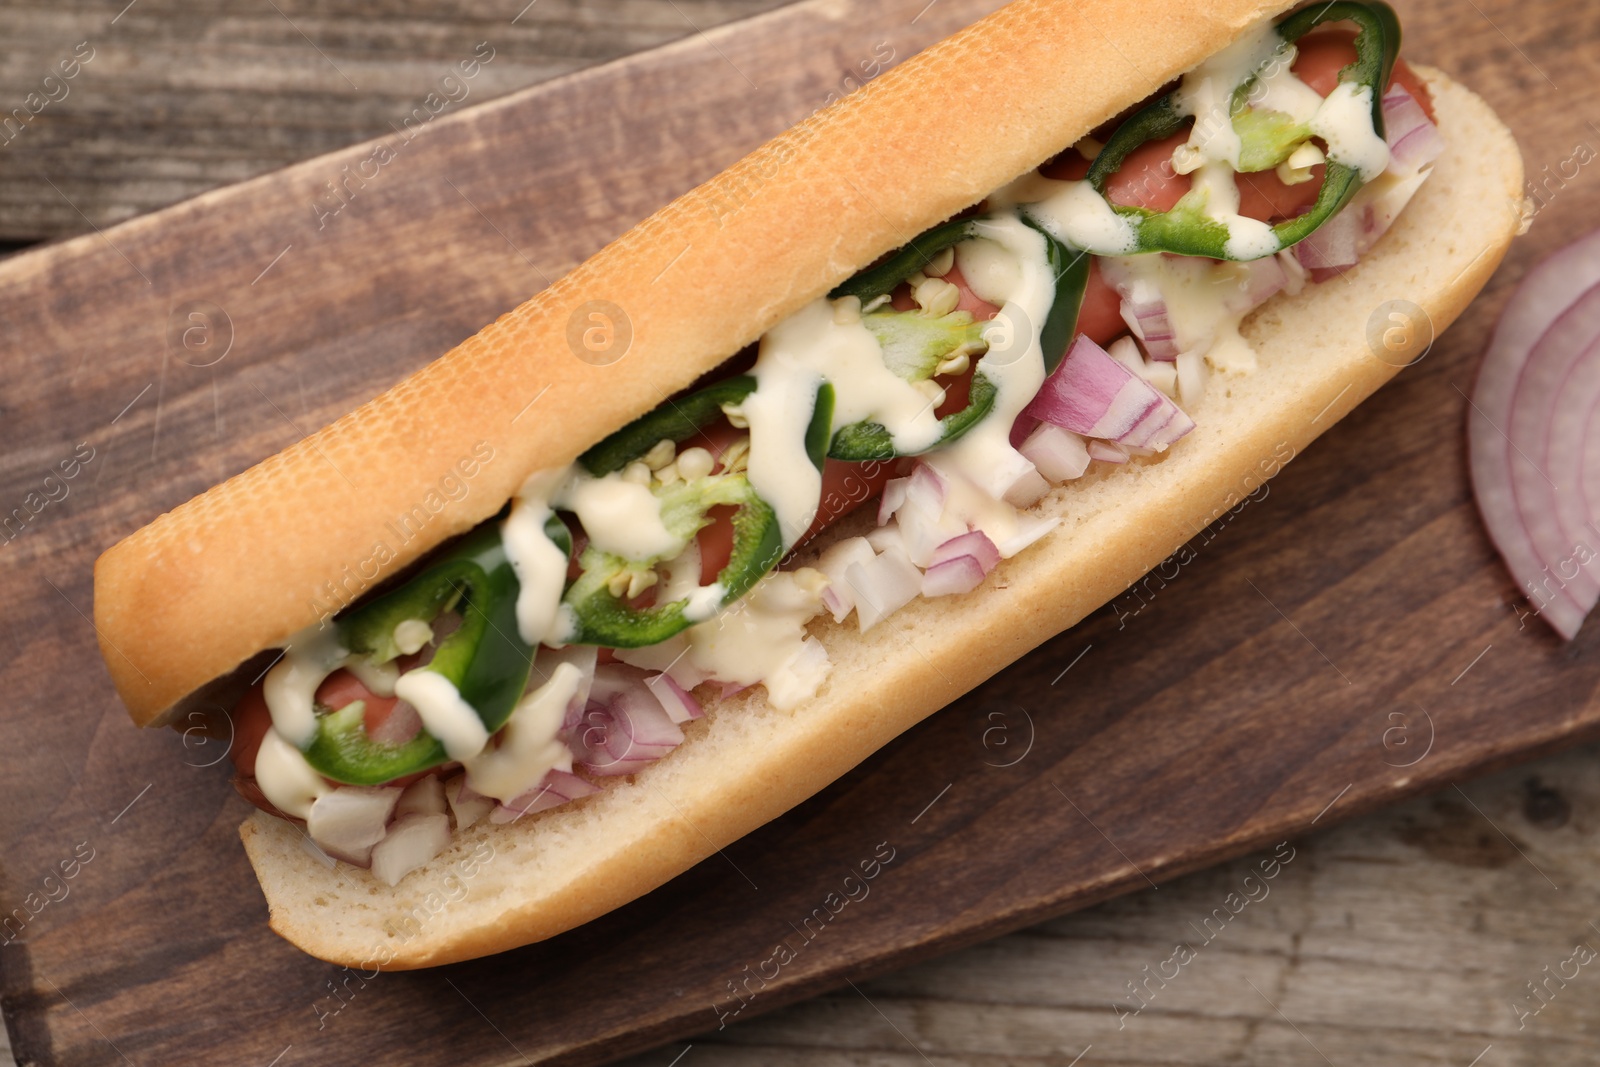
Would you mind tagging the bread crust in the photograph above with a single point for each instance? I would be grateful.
(746, 763)
(771, 233)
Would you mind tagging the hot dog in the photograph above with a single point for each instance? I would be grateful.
(699, 598)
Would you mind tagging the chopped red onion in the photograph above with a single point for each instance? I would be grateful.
(883, 586)
(974, 545)
(1027, 490)
(959, 565)
(1334, 245)
(1145, 312)
(960, 574)
(1414, 141)
(838, 597)
(1532, 431)
(1029, 529)
(556, 788)
(347, 821)
(466, 804)
(894, 495)
(679, 704)
(425, 796)
(1092, 394)
(1192, 376)
(412, 841)
(624, 725)
(1060, 455)
(921, 524)
(1107, 452)
(926, 489)
(1263, 279)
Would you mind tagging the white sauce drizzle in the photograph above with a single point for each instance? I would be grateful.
(285, 778)
(1196, 293)
(528, 746)
(1280, 89)
(1014, 362)
(291, 685)
(620, 517)
(1211, 155)
(1345, 121)
(444, 713)
(539, 563)
(763, 639)
(796, 356)
(1076, 214)
(379, 678)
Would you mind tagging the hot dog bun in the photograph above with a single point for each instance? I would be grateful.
(746, 763)
(813, 206)
(998, 99)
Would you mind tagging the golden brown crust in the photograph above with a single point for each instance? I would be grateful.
(771, 233)
(498, 887)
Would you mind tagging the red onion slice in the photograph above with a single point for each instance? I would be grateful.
(960, 574)
(1092, 394)
(1059, 455)
(467, 805)
(679, 704)
(349, 820)
(1516, 484)
(412, 841)
(974, 545)
(1414, 141)
(1106, 452)
(1549, 400)
(625, 724)
(425, 796)
(1145, 312)
(883, 586)
(556, 789)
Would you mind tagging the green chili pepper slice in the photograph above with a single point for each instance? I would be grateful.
(882, 279)
(603, 618)
(676, 421)
(1186, 230)
(865, 441)
(1071, 269)
(485, 659)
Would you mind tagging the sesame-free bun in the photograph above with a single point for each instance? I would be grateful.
(813, 206)
(1019, 86)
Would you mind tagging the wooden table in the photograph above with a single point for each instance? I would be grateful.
(1406, 936)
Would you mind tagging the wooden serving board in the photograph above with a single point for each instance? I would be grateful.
(1346, 638)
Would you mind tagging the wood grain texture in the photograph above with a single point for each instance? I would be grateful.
(184, 95)
(1219, 714)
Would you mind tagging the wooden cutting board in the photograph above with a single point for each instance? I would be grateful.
(1343, 640)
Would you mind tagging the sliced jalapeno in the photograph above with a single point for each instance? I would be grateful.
(605, 617)
(882, 279)
(675, 421)
(1185, 230)
(485, 659)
